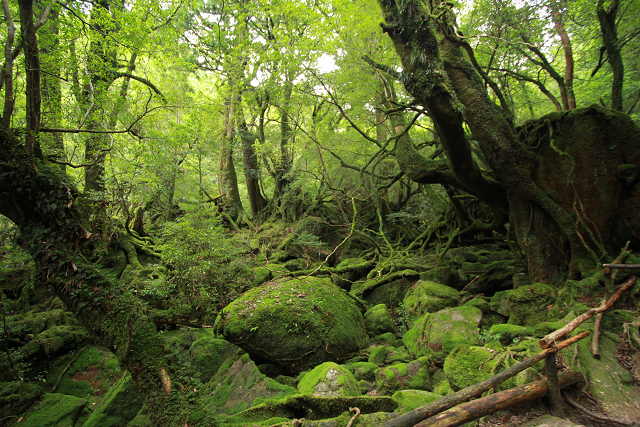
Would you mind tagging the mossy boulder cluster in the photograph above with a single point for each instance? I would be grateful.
(385, 338)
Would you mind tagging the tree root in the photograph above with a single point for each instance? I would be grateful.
(593, 415)
(355, 417)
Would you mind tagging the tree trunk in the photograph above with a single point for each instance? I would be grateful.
(32, 71)
(558, 220)
(251, 170)
(568, 52)
(53, 143)
(227, 177)
(609, 29)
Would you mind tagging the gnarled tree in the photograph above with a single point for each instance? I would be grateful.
(567, 181)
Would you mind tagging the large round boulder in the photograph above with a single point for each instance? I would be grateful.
(295, 324)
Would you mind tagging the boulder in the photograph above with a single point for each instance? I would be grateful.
(120, 405)
(526, 305)
(378, 320)
(239, 385)
(429, 297)
(55, 410)
(414, 376)
(438, 333)
(408, 400)
(207, 354)
(294, 324)
(329, 380)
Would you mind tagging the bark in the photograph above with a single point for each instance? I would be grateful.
(568, 52)
(609, 29)
(497, 402)
(32, 71)
(556, 217)
(53, 143)
(7, 69)
(251, 169)
(227, 177)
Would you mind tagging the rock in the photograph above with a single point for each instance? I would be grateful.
(378, 355)
(261, 275)
(55, 410)
(505, 333)
(329, 380)
(526, 305)
(441, 275)
(363, 370)
(429, 297)
(294, 324)
(16, 397)
(120, 405)
(239, 385)
(438, 333)
(610, 384)
(207, 354)
(414, 376)
(378, 320)
(468, 365)
(408, 400)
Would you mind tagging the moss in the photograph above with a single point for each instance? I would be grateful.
(378, 320)
(505, 333)
(207, 355)
(363, 370)
(55, 410)
(120, 405)
(440, 332)
(468, 365)
(409, 400)
(429, 297)
(16, 397)
(329, 380)
(295, 324)
(413, 375)
(378, 355)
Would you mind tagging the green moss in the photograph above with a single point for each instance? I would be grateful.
(120, 405)
(378, 320)
(329, 380)
(378, 355)
(468, 365)
(55, 410)
(363, 370)
(409, 400)
(16, 397)
(429, 297)
(295, 324)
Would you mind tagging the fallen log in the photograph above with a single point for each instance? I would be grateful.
(569, 327)
(414, 417)
(497, 402)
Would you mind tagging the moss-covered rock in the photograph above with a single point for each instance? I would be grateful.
(505, 333)
(429, 297)
(119, 406)
(409, 400)
(438, 333)
(611, 385)
(468, 365)
(329, 380)
(261, 275)
(207, 354)
(414, 376)
(55, 410)
(295, 324)
(526, 305)
(378, 320)
(363, 370)
(238, 385)
(54, 341)
(88, 374)
(309, 407)
(378, 355)
(16, 397)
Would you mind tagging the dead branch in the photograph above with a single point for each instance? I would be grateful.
(497, 402)
(622, 266)
(355, 417)
(569, 327)
(413, 417)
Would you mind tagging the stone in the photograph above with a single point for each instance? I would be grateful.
(119, 406)
(414, 376)
(378, 320)
(438, 333)
(329, 380)
(408, 400)
(294, 324)
(55, 410)
(429, 297)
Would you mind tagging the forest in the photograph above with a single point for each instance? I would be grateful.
(319, 213)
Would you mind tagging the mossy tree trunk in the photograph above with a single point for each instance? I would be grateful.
(553, 185)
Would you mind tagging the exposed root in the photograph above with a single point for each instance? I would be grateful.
(355, 417)
(593, 415)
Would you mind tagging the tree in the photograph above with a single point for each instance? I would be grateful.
(556, 217)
